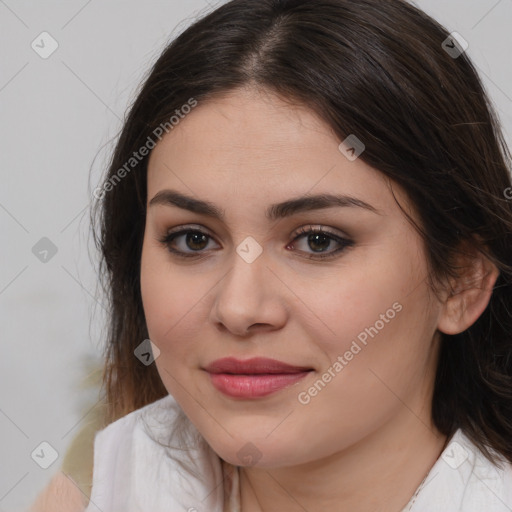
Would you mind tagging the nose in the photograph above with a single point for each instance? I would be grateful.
(249, 298)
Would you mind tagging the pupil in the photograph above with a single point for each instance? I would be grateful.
(314, 238)
(200, 237)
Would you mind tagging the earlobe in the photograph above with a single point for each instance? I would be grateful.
(469, 296)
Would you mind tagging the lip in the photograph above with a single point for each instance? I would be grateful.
(253, 378)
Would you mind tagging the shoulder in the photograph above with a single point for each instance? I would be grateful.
(464, 479)
(493, 477)
(116, 444)
(489, 485)
(163, 409)
(160, 450)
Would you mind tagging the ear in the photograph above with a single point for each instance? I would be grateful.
(469, 294)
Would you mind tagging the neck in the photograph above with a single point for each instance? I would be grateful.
(381, 472)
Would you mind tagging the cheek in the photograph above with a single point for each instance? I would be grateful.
(375, 327)
(164, 295)
(367, 299)
(173, 302)
(366, 383)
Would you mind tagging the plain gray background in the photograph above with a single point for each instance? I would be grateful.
(58, 114)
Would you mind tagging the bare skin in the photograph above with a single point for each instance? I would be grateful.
(60, 495)
(366, 440)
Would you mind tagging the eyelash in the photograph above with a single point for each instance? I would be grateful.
(168, 238)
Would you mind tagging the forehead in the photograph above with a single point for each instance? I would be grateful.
(246, 123)
(253, 145)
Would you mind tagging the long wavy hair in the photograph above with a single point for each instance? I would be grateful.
(387, 72)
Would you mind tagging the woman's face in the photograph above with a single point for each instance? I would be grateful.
(349, 308)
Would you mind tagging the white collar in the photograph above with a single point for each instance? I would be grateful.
(133, 473)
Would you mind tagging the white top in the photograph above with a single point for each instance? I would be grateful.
(134, 473)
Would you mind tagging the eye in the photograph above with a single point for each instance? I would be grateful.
(193, 239)
(193, 242)
(320, 240)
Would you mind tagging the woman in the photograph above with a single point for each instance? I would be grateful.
(307, 242)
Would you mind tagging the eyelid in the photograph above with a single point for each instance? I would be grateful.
(295, 233)
(343, 240)
(320, 227)
(189, 227)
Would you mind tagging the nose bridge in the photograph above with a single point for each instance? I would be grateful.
(246, 294)
(247, 278)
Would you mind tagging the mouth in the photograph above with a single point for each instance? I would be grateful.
(253, 378)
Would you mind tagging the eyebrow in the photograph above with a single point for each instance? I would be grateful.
(275, 211)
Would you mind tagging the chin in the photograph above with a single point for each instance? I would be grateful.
(257, 453)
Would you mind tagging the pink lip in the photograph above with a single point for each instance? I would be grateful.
(253, 378)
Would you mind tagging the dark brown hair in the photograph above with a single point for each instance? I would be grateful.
(372, 68)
